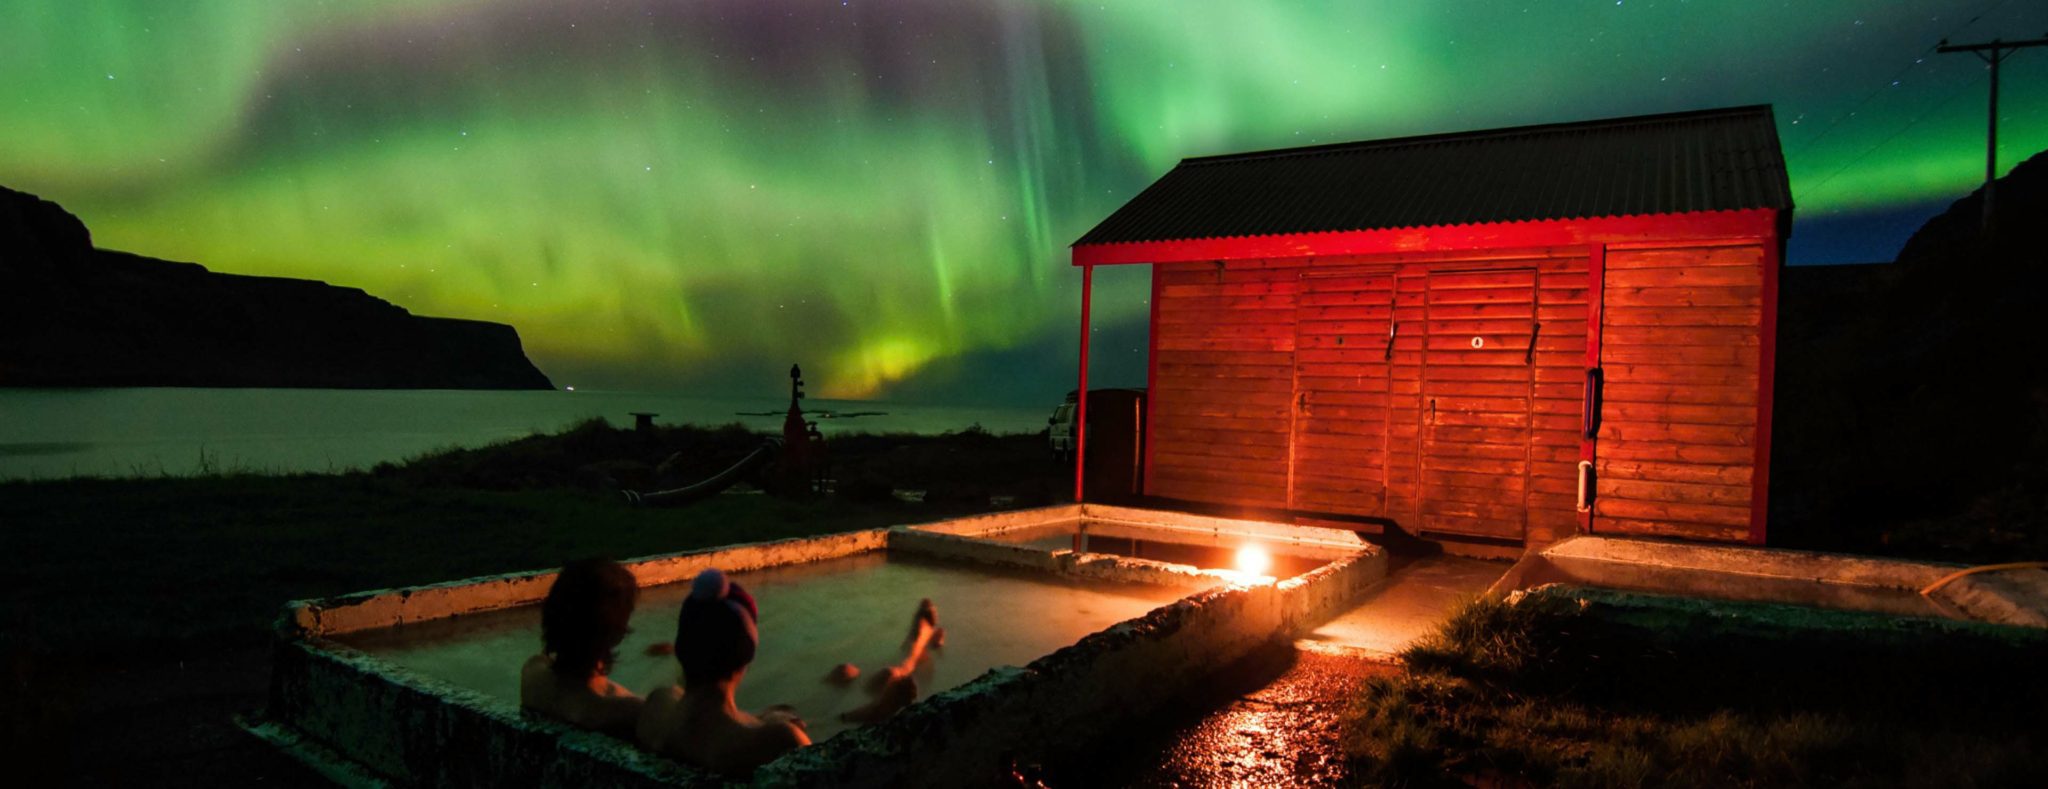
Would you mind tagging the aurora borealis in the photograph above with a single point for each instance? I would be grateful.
(690, 195)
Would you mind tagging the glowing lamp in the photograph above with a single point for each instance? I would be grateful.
(1252, 560)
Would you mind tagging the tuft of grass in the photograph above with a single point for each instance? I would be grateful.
(1541, 692)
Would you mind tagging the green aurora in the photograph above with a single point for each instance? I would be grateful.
(689, 195)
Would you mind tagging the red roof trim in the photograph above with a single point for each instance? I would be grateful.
(1747, 223)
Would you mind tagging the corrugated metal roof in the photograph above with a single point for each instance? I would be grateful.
(1652, 164)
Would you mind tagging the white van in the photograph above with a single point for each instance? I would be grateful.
(1059, 432)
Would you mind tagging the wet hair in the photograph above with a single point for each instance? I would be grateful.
(715, 633)
(585, 616)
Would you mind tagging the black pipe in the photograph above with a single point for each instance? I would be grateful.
(690, 494)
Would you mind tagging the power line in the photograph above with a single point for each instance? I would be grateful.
(1894, 80)
(1812, 190)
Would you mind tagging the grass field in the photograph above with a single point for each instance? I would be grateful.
(1545, 693)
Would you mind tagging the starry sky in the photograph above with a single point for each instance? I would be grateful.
(687, 195)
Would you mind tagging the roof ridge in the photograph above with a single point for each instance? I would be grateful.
(1475, 135)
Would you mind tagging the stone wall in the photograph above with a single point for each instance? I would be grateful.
(390, 607)
(395, 723)
(1076, 697)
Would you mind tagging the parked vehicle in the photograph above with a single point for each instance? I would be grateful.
(1059, 433)
(1116, 424)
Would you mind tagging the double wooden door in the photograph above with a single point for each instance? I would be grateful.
(1477, 380)
(1465, 463)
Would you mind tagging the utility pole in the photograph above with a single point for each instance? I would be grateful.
(1993, 53)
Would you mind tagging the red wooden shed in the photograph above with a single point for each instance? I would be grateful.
(1496, 338)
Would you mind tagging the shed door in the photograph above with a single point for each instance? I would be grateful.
(1477, 378)
(1339, 448)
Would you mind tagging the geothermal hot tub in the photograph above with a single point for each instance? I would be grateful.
(813, 616)
(1062, 624)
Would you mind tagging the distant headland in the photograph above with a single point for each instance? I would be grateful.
(72, 315)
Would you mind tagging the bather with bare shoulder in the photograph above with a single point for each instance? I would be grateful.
(699, 723)
(582, 622)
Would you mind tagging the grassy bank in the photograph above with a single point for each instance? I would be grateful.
(101, 563)
(1548, 694)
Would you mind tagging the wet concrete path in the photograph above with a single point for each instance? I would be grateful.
(1275, 718)
(1418, 593)
(1271, 719)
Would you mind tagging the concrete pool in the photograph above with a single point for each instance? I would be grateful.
(1048, 649)
(1747, 574)
(813, 616)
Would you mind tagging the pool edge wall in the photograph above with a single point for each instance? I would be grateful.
(392, 607)
(1733, 572)
(397, 724)
(1080, 696)
(403, 726)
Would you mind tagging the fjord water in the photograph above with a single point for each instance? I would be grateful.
(54, 433)
(814, 616)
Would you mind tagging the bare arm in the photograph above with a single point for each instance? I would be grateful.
(656, 717)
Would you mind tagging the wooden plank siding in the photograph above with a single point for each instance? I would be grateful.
(1680, 346)
(1274, 387)
(1220, 397)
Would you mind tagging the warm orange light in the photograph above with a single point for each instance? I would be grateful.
(1252, 560)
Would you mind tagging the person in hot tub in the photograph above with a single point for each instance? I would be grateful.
(895, 686)
(581, 624)
(699, 723)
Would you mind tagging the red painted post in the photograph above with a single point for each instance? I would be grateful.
(1151, 383)
(1081, 407)
(1767, 371)
(1596, 300)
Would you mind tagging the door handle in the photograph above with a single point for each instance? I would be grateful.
(1589, 404)
(1585, 486)
(1301, 402)
(1432, 410)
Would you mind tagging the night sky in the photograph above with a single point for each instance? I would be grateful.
(687, 196)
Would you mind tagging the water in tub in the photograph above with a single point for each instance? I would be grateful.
(813, 617)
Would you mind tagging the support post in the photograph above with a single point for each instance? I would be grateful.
(1993, 53)
(1596, 302)
(1081, 389)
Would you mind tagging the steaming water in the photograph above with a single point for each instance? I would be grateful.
(813, 617)
(144, 432)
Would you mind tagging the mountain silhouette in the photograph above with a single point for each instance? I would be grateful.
(72, 315)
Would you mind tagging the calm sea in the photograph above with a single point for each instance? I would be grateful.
(146, 432)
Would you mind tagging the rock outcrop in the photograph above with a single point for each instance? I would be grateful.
(1912, 397)
(72, 315)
